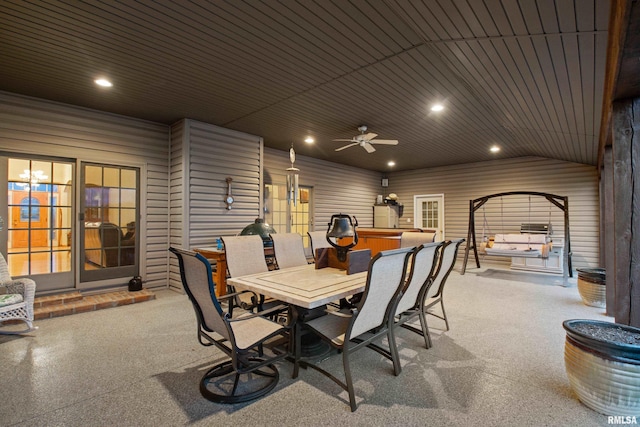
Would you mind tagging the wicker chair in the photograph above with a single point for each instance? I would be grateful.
(16, 299)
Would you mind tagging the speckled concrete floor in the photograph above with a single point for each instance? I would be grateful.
(501, 364)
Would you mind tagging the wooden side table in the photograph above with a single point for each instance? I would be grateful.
(220, 275)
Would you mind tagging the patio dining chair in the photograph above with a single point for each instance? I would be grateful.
(415, 238)
(245, 255)
(16, 300)
(318, 240)
(248, 374)
(372, 319)
(288, 249)
(424, 263)
(434, 295)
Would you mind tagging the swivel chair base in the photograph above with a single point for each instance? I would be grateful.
(228, 385)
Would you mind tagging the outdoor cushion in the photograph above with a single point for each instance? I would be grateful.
(10, 299)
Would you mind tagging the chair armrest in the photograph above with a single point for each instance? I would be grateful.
(25, 287)
(258, 314)
(234, 294)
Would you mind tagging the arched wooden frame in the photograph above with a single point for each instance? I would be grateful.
(562, 202)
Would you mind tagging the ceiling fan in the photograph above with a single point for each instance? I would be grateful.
(366, 140)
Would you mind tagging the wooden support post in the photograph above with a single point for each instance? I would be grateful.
(626, 182)
(607, 232)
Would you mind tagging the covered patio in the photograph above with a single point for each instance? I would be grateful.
(500, 364)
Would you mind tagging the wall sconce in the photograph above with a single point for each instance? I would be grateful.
(292, 179)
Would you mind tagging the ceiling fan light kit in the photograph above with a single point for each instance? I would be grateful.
(366, 141)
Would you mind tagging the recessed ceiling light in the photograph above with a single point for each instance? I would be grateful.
(103, 82)
(437, 107)
(391, 163)
(309, 140)
(494, 149)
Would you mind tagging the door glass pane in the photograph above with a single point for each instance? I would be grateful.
(300, 215)
(93, 176)
(430, 214)
(285, 217)
(275, 213)
(128, 179)
(109, 238)
(39, 217)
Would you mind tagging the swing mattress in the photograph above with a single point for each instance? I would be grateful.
(518, 245)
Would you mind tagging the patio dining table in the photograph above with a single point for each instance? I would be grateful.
(304, 288)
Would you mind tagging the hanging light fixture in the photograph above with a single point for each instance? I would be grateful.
(292, 179)
(32, 178)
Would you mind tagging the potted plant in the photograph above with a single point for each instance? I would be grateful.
(602, 360)
(592, 286)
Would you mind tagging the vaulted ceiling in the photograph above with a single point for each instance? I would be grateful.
(524, 75)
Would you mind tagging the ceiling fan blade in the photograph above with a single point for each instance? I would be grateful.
(347, 146)
(368, 147)
(367, 136)
(385, 141)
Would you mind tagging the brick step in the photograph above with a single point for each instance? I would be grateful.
(67, 304)
(56, 299)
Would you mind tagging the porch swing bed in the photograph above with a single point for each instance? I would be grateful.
(533, 241)
(519, 245)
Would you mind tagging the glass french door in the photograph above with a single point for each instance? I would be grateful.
(284, 216)
(429, 213)
(36, 220)
(108, 226)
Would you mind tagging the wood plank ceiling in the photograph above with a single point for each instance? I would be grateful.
(525, 75)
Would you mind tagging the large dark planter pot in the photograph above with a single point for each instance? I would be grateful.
(602, 360)
(592, 286)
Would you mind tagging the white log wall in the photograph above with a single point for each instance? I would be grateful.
(37, 127)
(462, 183)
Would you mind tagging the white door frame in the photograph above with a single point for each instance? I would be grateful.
(417, 212)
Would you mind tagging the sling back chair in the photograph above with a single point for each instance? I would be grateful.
(288, 249)
(415, 238)
(318, 240)
(248, 374)
(423, 266)
(245, 255)
(372, 319)
(449, 253)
